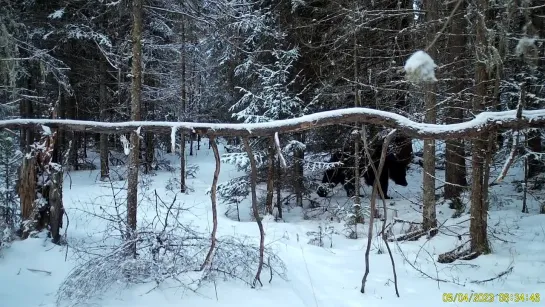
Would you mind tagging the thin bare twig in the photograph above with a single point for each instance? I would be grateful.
(213, 199)
(253, 181)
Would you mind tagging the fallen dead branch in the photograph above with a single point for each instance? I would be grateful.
(500, 275)
(411, 236)
(481, 123)
(458, 253)
(48, 273)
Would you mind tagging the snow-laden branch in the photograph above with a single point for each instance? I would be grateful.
(483, 121)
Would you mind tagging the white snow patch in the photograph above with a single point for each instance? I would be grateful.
(328, 276)
(524, 44)
(46, 130)
(57, 14)
(420, 67)
(173, 139)
(126, 145)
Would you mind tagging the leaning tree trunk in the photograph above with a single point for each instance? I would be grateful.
(136, 95)
(255, 211)
(270, 179)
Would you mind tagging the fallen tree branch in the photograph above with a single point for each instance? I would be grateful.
(515, 145)
(481, 123)
(39, 271)
(500, 275)
(411, 236)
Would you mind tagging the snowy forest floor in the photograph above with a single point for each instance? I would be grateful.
(32, 270)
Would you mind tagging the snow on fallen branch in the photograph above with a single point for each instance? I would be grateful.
(483, 121)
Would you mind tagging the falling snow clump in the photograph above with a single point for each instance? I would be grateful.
(420, 67)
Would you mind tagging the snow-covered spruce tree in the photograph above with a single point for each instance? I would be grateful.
(270, 99)
(10, 158)
(262, 72)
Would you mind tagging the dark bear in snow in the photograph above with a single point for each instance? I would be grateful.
(395, 168)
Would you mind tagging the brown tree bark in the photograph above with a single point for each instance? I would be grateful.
(104, 151)
(298, 185)
(27, 191)
(183, 115)
(78, 138)
(455, 171)
(56, 209)
(479, 187)
(278, 172)
(429, 220)
(136, 97)
(150, 152)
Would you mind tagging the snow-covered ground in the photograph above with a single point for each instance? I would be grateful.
(31, 271)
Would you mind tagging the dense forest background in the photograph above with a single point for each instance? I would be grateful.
(242, 61)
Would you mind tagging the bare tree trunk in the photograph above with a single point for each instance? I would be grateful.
(253, 181)
(136, 96)
(429, 220)
(535, 165)
(59, 112)
(26, 110)
(278, 172)
(56, 209)
(191, 137)
(479, 207)
(150, 152)
(27, 191)
(298, 185)
(78, 138)
(104, 151)
(270, 179)
(357, 202)
(455, 171)
(54, 188)
(537, 28)
(182, 163)
(213, 199)
(183, 115)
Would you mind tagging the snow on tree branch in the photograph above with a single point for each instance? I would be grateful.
(420, 67)
(483, 121)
